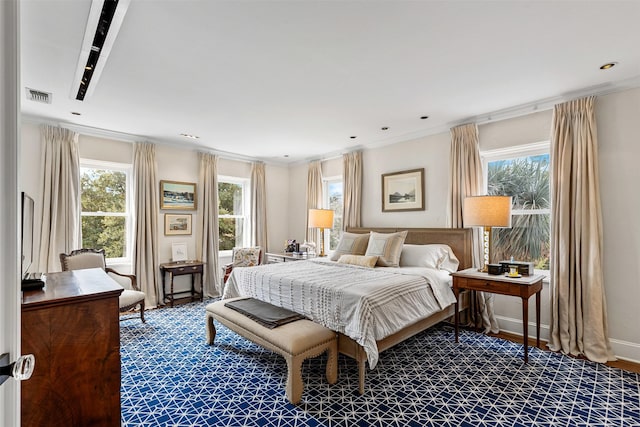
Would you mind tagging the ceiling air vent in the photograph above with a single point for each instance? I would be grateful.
(39, 96)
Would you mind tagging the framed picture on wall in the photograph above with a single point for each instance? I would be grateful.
(403, 191)
(177, 224)
(178, 195)
(178, 252)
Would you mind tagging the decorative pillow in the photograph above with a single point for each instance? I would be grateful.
(246, 257)
(350, 244)
(436, 256)
(387, 246)
(361, 260)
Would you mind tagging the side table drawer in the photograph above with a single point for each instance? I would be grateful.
(486, 285)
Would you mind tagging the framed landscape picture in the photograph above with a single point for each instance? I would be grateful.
(403, 191)
(177, 195)
(177, 224)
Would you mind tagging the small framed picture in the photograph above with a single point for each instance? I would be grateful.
(178, 252)
(177, 224)
(403, 191)
(178, 195)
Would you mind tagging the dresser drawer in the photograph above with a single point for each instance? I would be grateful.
(186, 269)
(486, 285)
(272, 259)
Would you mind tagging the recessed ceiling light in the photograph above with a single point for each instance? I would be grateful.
(75, 113)
(353, 137)
(384, 128)
(424, 117)
(608, 65)
(186, 135)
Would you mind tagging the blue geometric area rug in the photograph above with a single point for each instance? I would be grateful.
(172, 377)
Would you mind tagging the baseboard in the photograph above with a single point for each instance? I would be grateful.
(514, 326)
(623, 350)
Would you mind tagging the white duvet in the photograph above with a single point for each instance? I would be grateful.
(363, 303)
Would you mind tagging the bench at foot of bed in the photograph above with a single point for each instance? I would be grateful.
(295, 341)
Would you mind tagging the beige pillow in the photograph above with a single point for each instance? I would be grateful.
(387, 247)
(361, 260)
(350, 244)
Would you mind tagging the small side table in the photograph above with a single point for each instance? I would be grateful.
(522, 287)
(178, 269)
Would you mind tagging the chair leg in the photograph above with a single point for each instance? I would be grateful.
(142, 311)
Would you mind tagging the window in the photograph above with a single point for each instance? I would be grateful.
(334, 201)
(106, 216)
(233, 211)
(522, 172)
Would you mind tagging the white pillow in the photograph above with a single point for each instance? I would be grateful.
(437, 256)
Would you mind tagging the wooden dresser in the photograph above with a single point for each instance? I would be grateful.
(72, 327)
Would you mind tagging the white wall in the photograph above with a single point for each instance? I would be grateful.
(286, 194)
(174, 164)
(617, 117)
(430, 153)
(616, 114)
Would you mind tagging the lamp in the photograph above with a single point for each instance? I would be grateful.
(487, 212)
(321, 218)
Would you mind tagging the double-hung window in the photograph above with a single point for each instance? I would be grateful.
(233, 213)
(522, 172)
(333, 200)
(105, 213)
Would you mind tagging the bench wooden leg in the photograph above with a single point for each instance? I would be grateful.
(332, 363)
(211, 330)
(295, 386)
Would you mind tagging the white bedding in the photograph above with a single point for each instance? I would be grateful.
(363, 303)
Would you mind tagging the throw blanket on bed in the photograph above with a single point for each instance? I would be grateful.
(364, 304)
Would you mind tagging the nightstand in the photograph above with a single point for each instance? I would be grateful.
(522, 287)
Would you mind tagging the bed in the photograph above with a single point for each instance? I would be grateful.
(371, 309)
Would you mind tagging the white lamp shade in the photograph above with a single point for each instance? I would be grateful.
(320, 218)
(487, 211)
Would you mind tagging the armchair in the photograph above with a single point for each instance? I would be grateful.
(243, 257)
(95, 258)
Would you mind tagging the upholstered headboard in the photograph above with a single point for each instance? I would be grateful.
(459, 239)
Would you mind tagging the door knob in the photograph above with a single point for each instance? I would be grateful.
(21, 369)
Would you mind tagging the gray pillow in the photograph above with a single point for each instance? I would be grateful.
(350, 244)
(387, 247)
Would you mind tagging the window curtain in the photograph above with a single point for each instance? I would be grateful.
(146, 202)
(209, 234)
(314, 198)
(578, 307)
(60, 231)
(466, 180)
(258, 206)
(352, 185)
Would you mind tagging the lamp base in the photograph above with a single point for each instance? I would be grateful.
(322, 254)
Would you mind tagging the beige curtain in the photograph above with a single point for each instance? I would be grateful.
(578, 307)
(314, 198)
(208, 230)
(60, 230)
(352, 185)
(466, 180)
(258, 206)
(146, 202)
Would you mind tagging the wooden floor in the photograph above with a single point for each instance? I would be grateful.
(620, 364)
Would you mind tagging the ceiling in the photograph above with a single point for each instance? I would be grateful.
(267, 79)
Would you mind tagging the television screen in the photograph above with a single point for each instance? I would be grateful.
(27, 233)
